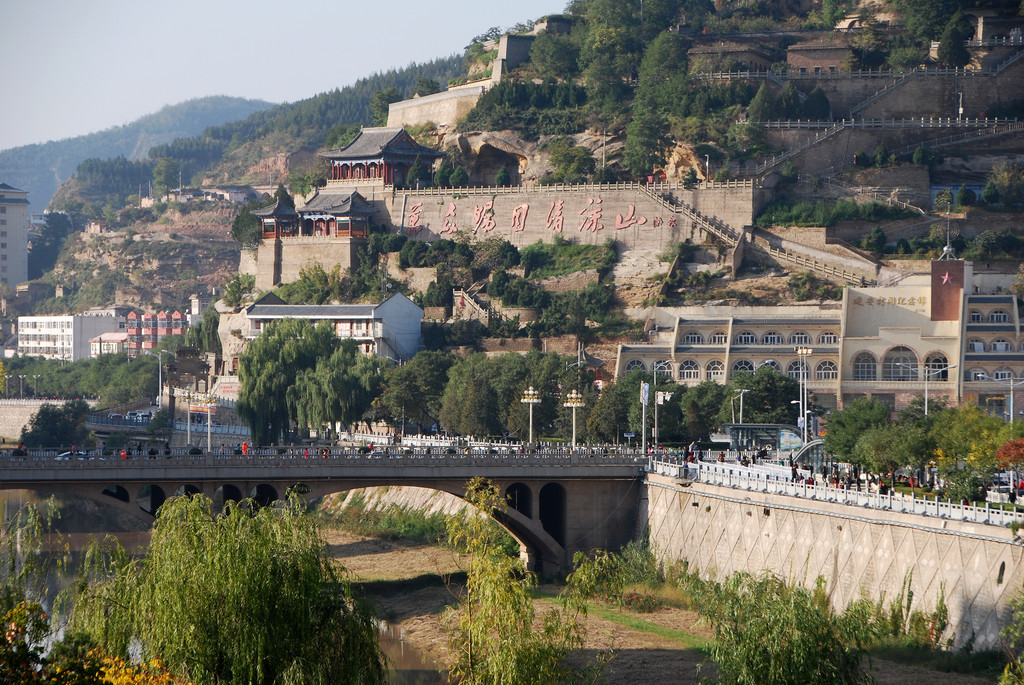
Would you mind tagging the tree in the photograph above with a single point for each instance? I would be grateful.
(762, 107)
(875, 241)
(701, 405)
(768, 398)
(503, 177)
(492, 632)
(554, 56)
(965, 197)
(379, 102)
(817, 106)
(426, 86)
(952, 50)
(57, 425)
(283, 196)
(990, 193)
(165, 175)
(878, 449)
(769, 632)
(966, 440)
(458, 178)
(247, 229)
(1008, 179)
(926, 18)
(847, 425)
(416, 389)
(609, 418)
(788, 105)
(270, 365)
(647, 139)
(204, 335)
(246, 596)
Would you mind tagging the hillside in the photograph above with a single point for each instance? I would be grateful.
(41, 168)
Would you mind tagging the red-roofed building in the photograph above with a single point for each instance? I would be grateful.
(147, 329)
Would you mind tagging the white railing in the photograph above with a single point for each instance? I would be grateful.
(748, 479)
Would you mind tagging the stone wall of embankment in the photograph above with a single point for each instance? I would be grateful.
(859, 552)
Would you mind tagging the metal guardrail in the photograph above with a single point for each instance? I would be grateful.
(742, 478)
(904, 123)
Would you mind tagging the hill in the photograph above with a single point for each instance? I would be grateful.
(41, 168)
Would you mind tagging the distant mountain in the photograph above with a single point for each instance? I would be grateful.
(41, 168)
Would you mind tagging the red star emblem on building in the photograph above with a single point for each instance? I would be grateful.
(946, 278)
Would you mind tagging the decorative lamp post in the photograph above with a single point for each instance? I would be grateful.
(574, 400)
(928, 373)
(741, 392)
(803, 353)
(530, 397)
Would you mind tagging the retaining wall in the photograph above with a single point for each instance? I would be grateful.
(720, 531)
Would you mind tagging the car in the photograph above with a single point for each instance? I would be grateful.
(115, 417)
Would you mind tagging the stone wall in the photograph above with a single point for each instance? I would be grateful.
(280, 261)
(720, 531)
(16, 415)
(443, 109)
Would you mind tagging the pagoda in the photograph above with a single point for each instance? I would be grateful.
(381, 154)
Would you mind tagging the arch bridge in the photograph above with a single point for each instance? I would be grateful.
(560, 502)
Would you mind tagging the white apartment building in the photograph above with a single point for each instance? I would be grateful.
(14, 228)
(64, 337)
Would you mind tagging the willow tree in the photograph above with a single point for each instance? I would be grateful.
(270, 366)
(241, 597)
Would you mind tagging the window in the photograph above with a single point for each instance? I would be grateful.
(693, 338)
(828, 338)
(715, 370)
(3, 210)
(797, 370)
(865, 368)
(827, 371)
(634, 365)
(998, 316)
(772, 338)
(900, 364)
(743, 365)
(800, 338)
(938, 367)
(1003, 374)
(746, 338)
(771, 364)
(976, 316)
(975, 345)
(717, 338)
(689, 370)
(1001, 345)
(662, 366)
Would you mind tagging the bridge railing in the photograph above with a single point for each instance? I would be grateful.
(743, 478)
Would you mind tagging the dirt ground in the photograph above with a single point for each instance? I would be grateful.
(639, 657)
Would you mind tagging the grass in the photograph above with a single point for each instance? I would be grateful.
(688, 640)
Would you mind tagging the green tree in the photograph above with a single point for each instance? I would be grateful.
(554, 56)
(762, 107)
(967, 440)
(283, 196)
(165, 176)
(952, 50)
(847, 425)
(204, 335)
(769, 632)
(492, 636)
(270, 365)
(1008, 179)
(247, 229)
(246, 596)
(926, 18)
(990, 193)
(379, 102)
(875, 240)
(503, 178)
(57, 425)
(416, 389)
(459, 178)
(647, 139)
(572, 163)
(426, 86)
(609, 417)
(768, 397)
(816, 106)
(701, 406)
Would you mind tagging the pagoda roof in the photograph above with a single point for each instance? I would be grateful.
(277, 211)
(379, 142)
(336, 204)
(4, 186)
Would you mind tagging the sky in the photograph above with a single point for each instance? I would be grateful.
(72, 67)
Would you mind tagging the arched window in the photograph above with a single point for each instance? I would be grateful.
(772, 364)
(1001, 345)
(717, 338)
(1003, 374)
(975, 345)
(976, 316)
(634, 365)
(900, 364)
(743, 365)
(772, 338)
(693, 338)
(998, 316)
(715, 370)
(797, 370)
(827, 371)
(828, 338)
(689, 370)
(662, 366)
(746, 338)
(938, 367)
(800, 338)
(865, 368)
(975, 374)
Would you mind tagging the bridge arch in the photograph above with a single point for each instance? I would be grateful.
(263, 494)
(118, 492)
(187, 489)
(520, 498)
(150, 498)
(551, 506)
(226, 493)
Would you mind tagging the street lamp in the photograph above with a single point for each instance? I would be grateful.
(160, 376)
(35, 386)
(530, 397)
(573, 400)
(741, 392)
(802, 354)
(928, 373)
(1012, 380)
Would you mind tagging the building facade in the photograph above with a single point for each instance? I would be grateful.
(108, 343)
(944, 335)
(147, 329)
(14, 229)
(65, 338)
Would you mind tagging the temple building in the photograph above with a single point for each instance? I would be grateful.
(382, 154)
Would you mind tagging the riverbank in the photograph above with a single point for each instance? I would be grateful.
(413, 583)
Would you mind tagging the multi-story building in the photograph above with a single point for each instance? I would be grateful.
(945, 335)
(147, 329)
(108, 343)
(390, 329)
(65, 338)
(14, 227)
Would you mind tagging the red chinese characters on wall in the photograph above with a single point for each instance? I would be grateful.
(414, 219)
(519, 217)
(483, 217)
(630, 219)
(592, 221)
(555, 219)
(449, 225)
